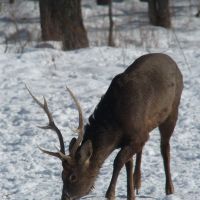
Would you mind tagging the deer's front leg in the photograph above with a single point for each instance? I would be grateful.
(122, 157)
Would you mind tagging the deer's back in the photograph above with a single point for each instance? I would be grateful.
(141, 97)
(146, 93)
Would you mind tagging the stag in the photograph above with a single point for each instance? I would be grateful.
(145, 96)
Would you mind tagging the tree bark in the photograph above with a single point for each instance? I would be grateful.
(51, 19)
(152, 10)
(61, 20)
(75, 35)
(110, 36)
(164, 18)
(159, 13)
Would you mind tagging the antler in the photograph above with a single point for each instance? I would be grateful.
(61, 153)
(80, 128)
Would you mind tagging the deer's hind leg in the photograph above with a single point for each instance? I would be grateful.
(137, 172)
(166, 130)
(133, 179)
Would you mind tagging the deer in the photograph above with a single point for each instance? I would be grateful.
(143, 97)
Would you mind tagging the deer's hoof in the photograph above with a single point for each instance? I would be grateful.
(170, 189)
(137, 182)
(110, 195)
(131, 198)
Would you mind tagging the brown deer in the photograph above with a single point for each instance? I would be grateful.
(145, 96)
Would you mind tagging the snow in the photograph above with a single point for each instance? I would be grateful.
(26, 173)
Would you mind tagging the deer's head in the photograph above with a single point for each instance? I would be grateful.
(77, 175)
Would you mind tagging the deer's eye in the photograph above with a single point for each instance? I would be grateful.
(72, 178)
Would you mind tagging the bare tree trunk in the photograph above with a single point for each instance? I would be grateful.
(110, 36)
(51, 16)
(159, 13)
(152, 12)
(164, 18)
(75, 35)
(62, 20)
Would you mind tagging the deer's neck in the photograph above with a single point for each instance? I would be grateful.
(105, 139)
(100, 154)
(103, 131)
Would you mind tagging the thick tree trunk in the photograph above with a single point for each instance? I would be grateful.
(164, 18)
(152, 12)
(75, 35)
(62, 20)
(51, 16)
(159, 13)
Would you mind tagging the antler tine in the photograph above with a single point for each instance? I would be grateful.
(51, 125)
(80, 128)
(55, 154)
(81, 123)
(58, 154)
(43, 106)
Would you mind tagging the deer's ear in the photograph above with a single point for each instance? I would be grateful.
(71, 144)
(86, 152)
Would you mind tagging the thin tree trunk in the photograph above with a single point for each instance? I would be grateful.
(110, 36)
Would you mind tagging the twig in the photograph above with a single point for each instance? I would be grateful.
(22, 45)
(181, 49)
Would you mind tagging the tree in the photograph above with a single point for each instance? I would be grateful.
(75, 35)
(62, 20)
(110, 15)
(159, 13)
(51, 20)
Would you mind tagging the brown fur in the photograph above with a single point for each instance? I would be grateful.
(145, 96)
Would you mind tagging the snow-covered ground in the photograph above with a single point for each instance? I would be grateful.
(26, 173)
